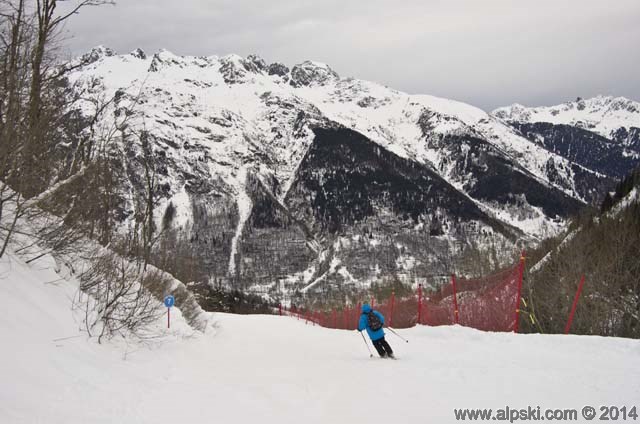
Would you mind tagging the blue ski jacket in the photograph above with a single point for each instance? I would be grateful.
(364, 323)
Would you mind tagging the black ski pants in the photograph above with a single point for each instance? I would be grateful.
(382, 347)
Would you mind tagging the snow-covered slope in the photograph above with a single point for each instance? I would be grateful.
(602, 114)
(279, 370)
(233, 135)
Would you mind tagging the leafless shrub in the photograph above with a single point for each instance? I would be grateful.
(114, 299)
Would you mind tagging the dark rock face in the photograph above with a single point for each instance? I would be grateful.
(96, 54)
(424, 122)
(139, 54)
(309, 73)
(629, 138)
(492, 177)
(587, 149)
(231, 73)
(266, 211)
(346, 178)
(254, 63)
(236, 70)
(156, 63)
(367, 101)
(278, 69)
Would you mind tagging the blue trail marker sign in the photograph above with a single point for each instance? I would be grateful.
(169, 301)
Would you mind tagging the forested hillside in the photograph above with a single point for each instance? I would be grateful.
(604, 247)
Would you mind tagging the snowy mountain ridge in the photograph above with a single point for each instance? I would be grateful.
(387, 116)
(244, 144)
(601, 114)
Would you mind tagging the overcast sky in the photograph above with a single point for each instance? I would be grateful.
(485, 52)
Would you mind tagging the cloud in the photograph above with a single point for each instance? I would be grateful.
(485, 52)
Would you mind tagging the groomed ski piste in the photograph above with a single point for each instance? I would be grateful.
(270, 369)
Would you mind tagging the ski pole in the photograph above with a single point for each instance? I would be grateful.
(391, 329)
(365, 342)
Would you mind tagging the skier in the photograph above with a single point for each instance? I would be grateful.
(373, 321)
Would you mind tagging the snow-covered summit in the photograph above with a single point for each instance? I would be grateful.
(138, 53)
(310, 72)
(97, 53)
(601, 114)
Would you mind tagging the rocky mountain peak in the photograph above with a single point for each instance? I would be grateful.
(254, 63)
(96, 54)
(139, 54)
(310, 73)
(515, 112)
(237, 70)
(278, 69)
(164, 58)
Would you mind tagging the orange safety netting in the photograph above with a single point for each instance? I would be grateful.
(489, 303)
